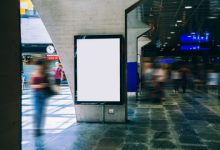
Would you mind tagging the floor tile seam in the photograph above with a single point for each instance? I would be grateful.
(200, 102)
(173, 132)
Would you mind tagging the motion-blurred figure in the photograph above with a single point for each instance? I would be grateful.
(175, 76)
(39, 82)
(213, 81)
(184, 78)
(23, 79)
(148, 76)
(160, 76)
(58, 75)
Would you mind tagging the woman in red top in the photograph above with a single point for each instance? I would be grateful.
(58, 75)
(38, 83)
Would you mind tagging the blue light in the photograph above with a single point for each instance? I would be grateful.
(207, 33)
(194, 38)
(192, 48)
(167, 61)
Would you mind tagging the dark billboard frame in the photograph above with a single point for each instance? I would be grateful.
(122, 68)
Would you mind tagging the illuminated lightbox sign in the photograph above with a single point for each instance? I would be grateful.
(97, 69)
(52, 57)
(195, 38)
(192, 48)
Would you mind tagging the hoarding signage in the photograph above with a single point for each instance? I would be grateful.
(98, 69)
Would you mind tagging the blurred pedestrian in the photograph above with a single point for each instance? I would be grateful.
(213, 81)
(184, 78)
(175, 76)
(160, 76)
(148, 75)
(58, 75)
(23, 80)
(39, 82)
(147, 78)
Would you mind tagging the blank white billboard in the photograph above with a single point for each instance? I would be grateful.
(98, 70)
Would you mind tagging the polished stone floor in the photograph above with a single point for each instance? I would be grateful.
(181, 122)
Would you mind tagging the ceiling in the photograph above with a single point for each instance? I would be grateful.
(169, 19)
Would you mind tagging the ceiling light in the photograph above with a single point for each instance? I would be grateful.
(168, 37)
(212, 17)
(193, 33)
(179, 21)
(172, 32)
(188, 7)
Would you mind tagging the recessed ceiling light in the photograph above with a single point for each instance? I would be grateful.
(179, 21)
(193, 33)
(212, 17)
(172, 32)
(188, 7)
(168, 37)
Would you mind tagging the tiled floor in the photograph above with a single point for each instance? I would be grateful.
(188, 122)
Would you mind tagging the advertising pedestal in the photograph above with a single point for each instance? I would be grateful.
(100, 94)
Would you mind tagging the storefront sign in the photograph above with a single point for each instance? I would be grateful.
(52, 57)
(195, 38)
(192, 47)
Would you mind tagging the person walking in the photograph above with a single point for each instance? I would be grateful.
(175, 76)
(160, 77)
(147, 80)
(58, 75)
(39, 82)
(184, 78)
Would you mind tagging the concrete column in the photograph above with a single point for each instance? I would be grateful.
(134, 29)
(64, 19)
(10, 94)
